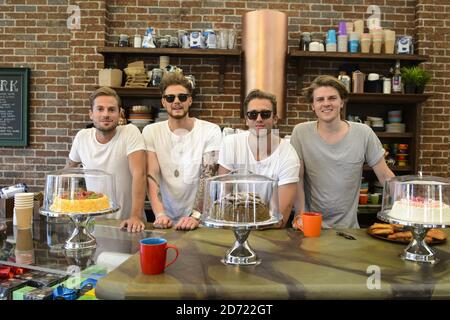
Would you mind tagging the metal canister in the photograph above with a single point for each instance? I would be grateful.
(345, 79)
(9, 192)
(387, 85)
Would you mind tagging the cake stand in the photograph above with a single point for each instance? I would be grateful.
(81, 238)
(417, 250)
(241, 253)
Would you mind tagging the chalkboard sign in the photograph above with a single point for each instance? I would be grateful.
(14, 106)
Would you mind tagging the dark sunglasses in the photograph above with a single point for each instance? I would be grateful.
(253, 115)
(171, 97)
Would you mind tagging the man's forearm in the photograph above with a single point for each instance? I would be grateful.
(138, 195)
(154, 194)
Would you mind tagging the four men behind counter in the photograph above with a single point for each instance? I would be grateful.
(320, 171)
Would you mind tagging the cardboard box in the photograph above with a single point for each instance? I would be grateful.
(110, 78)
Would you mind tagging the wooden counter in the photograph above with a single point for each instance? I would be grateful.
(293, 267)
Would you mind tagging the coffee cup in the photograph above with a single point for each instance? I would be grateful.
(374, 198)
(153, 255)
(311, 223)
(363, 198)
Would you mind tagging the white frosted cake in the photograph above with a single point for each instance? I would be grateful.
(421, 210)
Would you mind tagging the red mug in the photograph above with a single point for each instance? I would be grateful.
(153, 255)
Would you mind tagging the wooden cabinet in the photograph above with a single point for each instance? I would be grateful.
(375, 104)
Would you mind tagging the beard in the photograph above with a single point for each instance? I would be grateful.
(178, 116)
(106, 129)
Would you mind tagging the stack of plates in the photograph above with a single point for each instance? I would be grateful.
(395, 127)
(140, 116)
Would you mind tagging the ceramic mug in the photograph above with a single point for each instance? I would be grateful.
(153, 255)
(311, 224)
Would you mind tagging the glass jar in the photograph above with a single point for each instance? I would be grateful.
(123, 40)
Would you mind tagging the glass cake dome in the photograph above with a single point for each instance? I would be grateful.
(240, 200)
(79, 194)
(79, 191)
(422, 200)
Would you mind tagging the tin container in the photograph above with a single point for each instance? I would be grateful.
(9, 192)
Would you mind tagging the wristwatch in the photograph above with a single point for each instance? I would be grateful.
(195, 214)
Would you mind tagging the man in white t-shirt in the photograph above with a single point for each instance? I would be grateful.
(181, 153)
(261, 151)
(118, 150)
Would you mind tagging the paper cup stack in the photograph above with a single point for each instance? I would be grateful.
(389, 41)
(24, 252)
(377, 40)
(23, 208)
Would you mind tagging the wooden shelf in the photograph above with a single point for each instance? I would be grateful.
(150, 92)
(395, 135)
(313, 55)
(179, 52)
(382, 98)
(120, 55)
(393, 168)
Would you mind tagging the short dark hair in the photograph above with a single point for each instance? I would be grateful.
(104, 91)
(175, 78)
(325, 81)
(259, 94)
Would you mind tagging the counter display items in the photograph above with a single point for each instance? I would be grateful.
(80, 194)
(420, 202)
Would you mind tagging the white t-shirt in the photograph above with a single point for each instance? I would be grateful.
(111, 157)
(180, 157)
(282, 165)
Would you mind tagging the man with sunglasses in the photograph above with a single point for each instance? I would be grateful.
(332, 153)
(181, 153)
(261, 150)
(118, 150)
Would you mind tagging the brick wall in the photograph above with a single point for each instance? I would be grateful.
(64, 64)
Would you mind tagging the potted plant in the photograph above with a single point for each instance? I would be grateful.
(414, 79)
(409, 78)
(423, 78)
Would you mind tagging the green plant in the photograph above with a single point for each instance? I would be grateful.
(415, 76)
(410, 75)
(424, 78)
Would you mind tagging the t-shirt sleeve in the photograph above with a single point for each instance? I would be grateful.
(290, 169)
(214, 139)
(226, 152)
(295, 141)
(74, 154)
(148, 135)
(374, 149)
(135, 141)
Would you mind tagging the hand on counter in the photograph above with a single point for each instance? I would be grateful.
(162, 222)
(187, 223)
(133, 224)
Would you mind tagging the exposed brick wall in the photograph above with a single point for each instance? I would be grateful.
(64, 64)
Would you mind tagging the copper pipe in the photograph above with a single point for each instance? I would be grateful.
(264, 46)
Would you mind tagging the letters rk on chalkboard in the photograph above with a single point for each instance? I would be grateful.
(14, 106)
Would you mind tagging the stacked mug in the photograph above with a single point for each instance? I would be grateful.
(23, 209)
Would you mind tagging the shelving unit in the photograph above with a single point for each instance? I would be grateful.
(119, 56)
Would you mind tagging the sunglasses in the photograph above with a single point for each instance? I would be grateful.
(253, 115)
(171, 97)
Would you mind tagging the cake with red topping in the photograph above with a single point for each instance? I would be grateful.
(421, 210)
(80, 201)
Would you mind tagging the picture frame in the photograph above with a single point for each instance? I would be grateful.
(14, 99)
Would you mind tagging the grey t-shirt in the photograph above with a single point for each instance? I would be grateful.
(333, 172)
